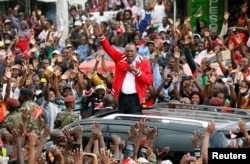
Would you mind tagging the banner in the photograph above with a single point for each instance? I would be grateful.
(212, 13)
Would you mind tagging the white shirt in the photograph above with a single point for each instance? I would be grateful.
(102, 18)
(159, 13)
(14, 94)
(128, 85)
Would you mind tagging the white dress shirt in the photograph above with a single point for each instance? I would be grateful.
(128, 85)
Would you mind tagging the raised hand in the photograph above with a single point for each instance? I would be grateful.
(98, 30)
(39, 12)
(177, 53)
(196, 138)
(161, 154)
(7, 73)
(187, 158)
(230, 83)
(226, 15)
(171, 22)
(134, 135)
(246, 142)
(187, 20)
(96, 131)
(77, 156)
(32, 138)
(243, 128)
(78, 131)
(231, 46)
(17, 7)
(104, 156)
(46, 131)
(141, 126)
(188, 40)
(212, 78)
(210, 127)
(152, 134)
(178, 22)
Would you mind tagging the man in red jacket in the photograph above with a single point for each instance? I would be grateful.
(132, 75)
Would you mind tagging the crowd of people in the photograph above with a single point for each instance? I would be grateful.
(43, 90)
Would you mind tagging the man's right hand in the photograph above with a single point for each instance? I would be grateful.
(98, 30)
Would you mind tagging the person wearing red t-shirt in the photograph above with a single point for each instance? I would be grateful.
(150, 98)
(23, 43)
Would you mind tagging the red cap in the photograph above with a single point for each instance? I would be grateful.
(12, 102)
(69, 99)
(119, 30)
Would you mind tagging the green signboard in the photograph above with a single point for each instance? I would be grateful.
(212, 12)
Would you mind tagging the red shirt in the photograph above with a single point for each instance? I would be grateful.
(23, 45)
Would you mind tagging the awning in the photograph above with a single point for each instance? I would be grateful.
(46, 0)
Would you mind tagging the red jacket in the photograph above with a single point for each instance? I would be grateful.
(143, 78)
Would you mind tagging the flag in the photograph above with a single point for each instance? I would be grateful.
(38, 111)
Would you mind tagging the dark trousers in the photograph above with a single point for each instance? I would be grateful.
(129, 104)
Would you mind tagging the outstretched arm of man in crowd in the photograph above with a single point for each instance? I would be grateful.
(8, 87)
(56, 84)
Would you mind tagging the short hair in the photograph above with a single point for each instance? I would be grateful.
(104, 23)
(201, 42)
(46, 58)
(128, 10)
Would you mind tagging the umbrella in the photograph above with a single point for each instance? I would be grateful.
(89, 62)
(88, 65)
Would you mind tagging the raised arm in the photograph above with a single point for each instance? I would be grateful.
(177, 59)
(190, 60)
(233, 99)
(156, 70)
(12, 18)
(111, 51)
(222, 66)
(8, 87)
(125, 2)
(233, 60)
(224, 25)
(56, 84)
(46, 90)
(209, 131)
(104, 67)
